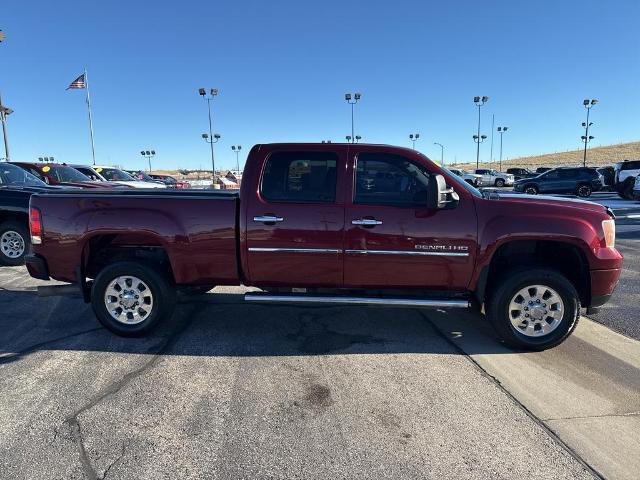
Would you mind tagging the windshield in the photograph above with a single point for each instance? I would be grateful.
(114, 174)
(140, 175)
(467, 186)
(12, 175)
(63, 173)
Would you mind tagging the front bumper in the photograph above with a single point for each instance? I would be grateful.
(603, 283)
(37, 266)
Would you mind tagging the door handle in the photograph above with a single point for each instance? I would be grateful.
(367, 222)
(267, 219)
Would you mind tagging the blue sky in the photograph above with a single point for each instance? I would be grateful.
(282, 68)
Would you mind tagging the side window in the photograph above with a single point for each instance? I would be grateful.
(387, 179)
(300, 177)
(552, 175)
(36, 172)
(568, 173)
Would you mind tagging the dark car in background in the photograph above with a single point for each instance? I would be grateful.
(580, 181)
(519, 173)
(540, 170)
(169, 181)
(60, 174)
(143, 176)
(16, 187)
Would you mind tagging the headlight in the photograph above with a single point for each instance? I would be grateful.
(609, 228)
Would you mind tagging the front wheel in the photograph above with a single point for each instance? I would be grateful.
(531, 190)
(130, 298)
(499, 182)
(534, 309)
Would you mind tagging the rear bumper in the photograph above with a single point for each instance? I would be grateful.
(37, 266)
(603, 283)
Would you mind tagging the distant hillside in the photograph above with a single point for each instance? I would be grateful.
(598, 156)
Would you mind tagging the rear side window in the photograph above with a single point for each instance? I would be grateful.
(633, 165)
(300, 177)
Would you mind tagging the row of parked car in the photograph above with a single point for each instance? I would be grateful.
(93, 176)
(19, 180)
(623, 178)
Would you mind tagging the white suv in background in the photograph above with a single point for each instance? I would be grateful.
(470, 178)
(494, 178)
(625, 174)
(115, 175)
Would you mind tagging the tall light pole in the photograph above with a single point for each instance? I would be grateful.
(148, 154)
(212, 93)
(236, 149)
(501, 130)
(441, 152)
(356, 98)
(414, 138)
(586, 138)
(479, 101)
(4, 111)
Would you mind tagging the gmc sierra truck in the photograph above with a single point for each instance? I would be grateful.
(333, 223)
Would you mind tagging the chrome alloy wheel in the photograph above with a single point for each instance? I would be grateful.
(536, 310)
(128, 300)
(12, 244)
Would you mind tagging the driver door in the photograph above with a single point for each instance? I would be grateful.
(393, 240)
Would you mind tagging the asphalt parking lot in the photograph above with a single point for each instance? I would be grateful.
(234, 390)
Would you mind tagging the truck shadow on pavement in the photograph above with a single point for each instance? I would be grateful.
(223, 324)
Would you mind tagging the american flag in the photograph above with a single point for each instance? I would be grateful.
(78, 83)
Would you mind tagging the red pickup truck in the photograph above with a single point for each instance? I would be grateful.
(339, 223)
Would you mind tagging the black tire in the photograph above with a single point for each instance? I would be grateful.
(584, 190)
(507, 288)
(626, 189)
(531, 190)
(162, 294)
(499, 182)
(8, 232)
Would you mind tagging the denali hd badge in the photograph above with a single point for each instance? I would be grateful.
(443, 248)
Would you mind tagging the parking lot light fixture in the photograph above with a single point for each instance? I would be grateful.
(479, 101)
(358, 138)
(348, 138)
(414, 138)
(352, 101)
(148, 154)
(501, 131)
(441, 152)
(213, 92)
(236, 149)
(586, 138)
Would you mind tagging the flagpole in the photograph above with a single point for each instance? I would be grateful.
(93, 147)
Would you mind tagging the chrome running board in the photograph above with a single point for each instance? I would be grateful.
(404, 302)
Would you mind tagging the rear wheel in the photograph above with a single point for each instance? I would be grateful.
(14, 243)
(584, 190)
(534, 309)
(131, 298)
(531, 190)
(499, 182)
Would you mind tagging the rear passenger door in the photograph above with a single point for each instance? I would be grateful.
(295, 222)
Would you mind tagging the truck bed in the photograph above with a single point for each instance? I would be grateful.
(196, 229)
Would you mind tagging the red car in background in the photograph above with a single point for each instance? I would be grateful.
(61, 174)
